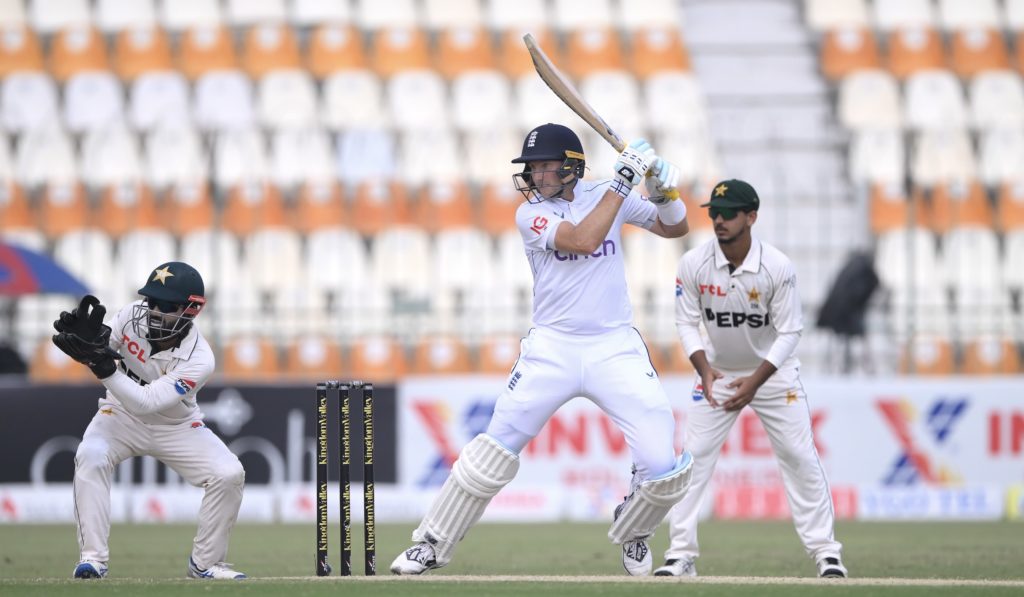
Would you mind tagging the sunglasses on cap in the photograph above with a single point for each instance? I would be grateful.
(727, 213)
(163, 306)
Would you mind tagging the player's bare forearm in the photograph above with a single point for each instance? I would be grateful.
(765, 370)
(670, 231)
(586, 237)
(699, 360)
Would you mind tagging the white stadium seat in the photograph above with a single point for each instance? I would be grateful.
(239, 157)
(45, 155)
(88, 254)
(903, 14)
(969, 14)
(374, 15)
(273, 258)
(178, 15)
(997, 100)
(340, 255)
(463, 264)
(301, 156)
(366, 154)
(159, 98)
(287, 100)
(417, 100)
(114, 15)
(175, 155)
(92, 100)
(306, 13)
(353, 99)
(877, 156)
(973, 262)
(674, 102)
(50, 16)
(29, 101)
(430, 155)
(571, 15)
(1001, 155)
(943, 156)
(448, 14)
(1014, 14)
(869, 99)
(615, 92)
(138, 252)
(934, 99)
(647, 14)
(825, 15)
(111, 157)
(216, 254)
(12, 14)
(522, 14)
(489, 152)
(245, 13)
(535, 104)
(481, 100)
(691, 151)
(224, 101)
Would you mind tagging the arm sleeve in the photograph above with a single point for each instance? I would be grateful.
(787, 315)
(782, 348)
(687, 308)
(163, 393)
(537, 228)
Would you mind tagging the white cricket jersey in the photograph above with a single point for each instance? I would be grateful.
(744, 311)
(159, 389)
(580, 294)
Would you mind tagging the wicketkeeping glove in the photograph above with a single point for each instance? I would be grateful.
(632, 164)
(663, 182)
(84, 337)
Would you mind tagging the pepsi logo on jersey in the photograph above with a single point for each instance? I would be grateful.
(734, 319)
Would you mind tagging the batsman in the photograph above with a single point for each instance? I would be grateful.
(152, 360)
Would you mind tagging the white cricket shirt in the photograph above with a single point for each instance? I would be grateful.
(744, 311)
(160, 389)
(580, 294)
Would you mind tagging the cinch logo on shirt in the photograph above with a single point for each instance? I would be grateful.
(733, 319)
(607, 248)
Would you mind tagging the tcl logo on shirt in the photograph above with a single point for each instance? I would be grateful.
(134, 348)
(734, 319)
(712, 289)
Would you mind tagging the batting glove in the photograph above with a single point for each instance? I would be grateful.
(632, 164)
(664, 182)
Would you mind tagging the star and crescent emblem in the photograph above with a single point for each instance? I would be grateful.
(162, 274)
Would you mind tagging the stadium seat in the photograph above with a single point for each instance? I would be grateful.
(378, 358)
(28, 101)
(444, 206)
(45, 155)
(908, 257)
(16, 213)
(12, 14)
(188, 207)
(334, 47)
(114, 16)
(272, 256)
(461, 272)
(417, 100)
(535, 104)
(375, 16)
(111, 156)
(513, 56)
(523, 14)
(1000, 154)
(297, 313)
(430, 157)
(19, 50)
(674, 102)
(312, 358)
(934, 100)
(252, 205)
(825, 15)
(498, 354)
(92, 101)
(481, 101)
(941, 156)
(693, 153)
(78, 251)
(138, 250)
(498, 204)
(270, 47)
(366, 155)
(77, 50)
(400, 49)
(310, 13)
(249, 13)
(141, 50)
(510, 295)
(974, 51)
(50, 365)
(175, 155)
(615, 92)
(960, 204)
(573, 15)
(216, 254)
(848, 50)
(973, 262)
(298, 156)
(927, 355)
(51, 16)
(1010, 203)
(1014, 15)
(224, 101)
(915, 50)
(889, 15)
(441, 355)
(287, 100)
(489, 154)
(657, 49)
(248, 359)
(340, 258)
(992, 355)
(1013, 253)
(464, 50)
(646, 14)
(997, 100)
(969, 14)
(206, 49)
(180, 15)
(400, 266)
(592, 50)
(239, 157)
(877, 156)
(126, 207)
(320, 204)
(450, 14)
(159, 99)
(889, 208)
(650, 269)
(353, 99)
(377, 205)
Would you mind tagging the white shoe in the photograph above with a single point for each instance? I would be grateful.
(831, 567)
(416, 560)
(677, 567)
(219, 571)
(636, 557)
(90, 569)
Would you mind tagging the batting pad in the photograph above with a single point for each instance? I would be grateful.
(483, 468)
(647, 506)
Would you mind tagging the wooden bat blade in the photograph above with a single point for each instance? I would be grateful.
(565, 91)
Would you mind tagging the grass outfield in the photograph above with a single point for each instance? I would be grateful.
(969, 558)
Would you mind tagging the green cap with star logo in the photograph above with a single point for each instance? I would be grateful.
(734, 193)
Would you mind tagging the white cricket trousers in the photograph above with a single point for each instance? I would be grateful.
(195, 453)
(781, 404)
(612, 370)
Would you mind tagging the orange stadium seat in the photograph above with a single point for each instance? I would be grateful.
(441, 355)
(955, 205)
(63, 208)
(844, 51)
(127, 207)
(77, 50)
(252, 205)
(378, 358)
(188, 207)
(19, 50)
(399, 49)
(379, 205)
(498, 205)
(50, 365)
(513, 57)
(927, 355)
(443, 206)
(991, 356)
(654, 50)
(205, 49)
(333, 47)
(976, 50)
(1010, 206)
(138, 51)
(311, 358)
(464, 49)
(15, 210)
(912, 50)
(320, 204)
(889, 208)
(270, 47)
(592, 50)
(249, 359)
(498, 354)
